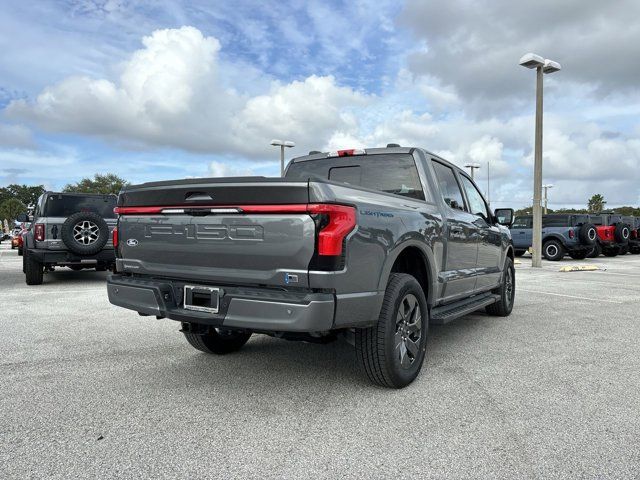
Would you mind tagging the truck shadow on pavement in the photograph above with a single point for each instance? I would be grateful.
(273, 364)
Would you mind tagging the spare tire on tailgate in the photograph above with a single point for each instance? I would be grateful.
(622, 232)
(85, 233)
(588, 234)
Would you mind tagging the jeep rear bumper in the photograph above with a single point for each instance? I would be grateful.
(64, 257)
(257, 309)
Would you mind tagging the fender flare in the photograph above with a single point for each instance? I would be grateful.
(554, 236)
(427, 257)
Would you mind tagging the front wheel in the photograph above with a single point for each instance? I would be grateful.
(553, 250)
(392, 352)
(20, 251)
(506, 291)
(610, 252)
(218, 340)
(595, 253)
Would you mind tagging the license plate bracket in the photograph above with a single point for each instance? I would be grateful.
(201, 298)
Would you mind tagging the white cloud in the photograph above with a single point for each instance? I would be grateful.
(170, 94)
(222, 169)
(17, 136)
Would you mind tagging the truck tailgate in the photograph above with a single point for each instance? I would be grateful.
(169, 230)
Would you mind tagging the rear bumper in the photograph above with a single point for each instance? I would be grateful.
(244, 308)
(65, 257)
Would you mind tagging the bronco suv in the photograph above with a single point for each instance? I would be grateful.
(68, 229)
(634, 234)
(613, 235)
(561, 234)
(370, 245)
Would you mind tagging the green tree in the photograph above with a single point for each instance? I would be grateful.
(108, 183)
(27, 194)
(11, 208)
(596, 203)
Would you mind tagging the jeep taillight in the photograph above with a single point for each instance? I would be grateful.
(38, 232)
(114, 235)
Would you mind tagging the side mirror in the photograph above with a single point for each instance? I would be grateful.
(22, 218)
(455, 205)
(504, 216)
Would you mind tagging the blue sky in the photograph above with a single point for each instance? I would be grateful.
(153, 90)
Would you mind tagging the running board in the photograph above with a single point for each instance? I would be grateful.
(446, 313)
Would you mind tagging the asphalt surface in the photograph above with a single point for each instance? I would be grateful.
(90, 390)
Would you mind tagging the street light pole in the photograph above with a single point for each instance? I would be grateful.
(282, 145)
(542, 66)
(546, 201)
(472, 167)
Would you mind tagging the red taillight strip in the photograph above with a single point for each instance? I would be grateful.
(290, 208)
(115, 237)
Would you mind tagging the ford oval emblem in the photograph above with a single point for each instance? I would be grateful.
(132, 242)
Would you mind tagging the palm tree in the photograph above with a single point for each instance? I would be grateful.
(596, 203)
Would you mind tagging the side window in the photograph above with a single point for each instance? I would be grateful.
(522, 222)
(476, 202)
(449, 187)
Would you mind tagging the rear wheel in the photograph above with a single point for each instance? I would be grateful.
(392, 352)
(553, 250)
(610, 252)
(218, 340)
(33, 271)
(595, 253)
(579, 255)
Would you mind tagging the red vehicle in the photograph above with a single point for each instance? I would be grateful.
(634, 239)
(16, 239)
(613, 235)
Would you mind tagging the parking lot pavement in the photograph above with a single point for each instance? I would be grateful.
(91, 390)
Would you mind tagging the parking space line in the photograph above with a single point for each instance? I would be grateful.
(568, 296)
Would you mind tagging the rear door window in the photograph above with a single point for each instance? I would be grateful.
(65, 205)
(449, 187)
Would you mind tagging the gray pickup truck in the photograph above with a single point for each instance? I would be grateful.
(370, 245)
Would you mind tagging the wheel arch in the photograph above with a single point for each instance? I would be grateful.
(413, 258)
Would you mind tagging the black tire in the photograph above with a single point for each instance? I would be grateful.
(579, 255)
(96, 233)
(219, 341)
(392, 352)
(13, 247)
(596, 252)
(24, 259)
(519, 253)
(624, 250)
(553, 250)
(588, 234)
(634, 250)
(20, 251)
(610, 252)
(101, 268)
(507, 292)
(33, 271)
(622, 232)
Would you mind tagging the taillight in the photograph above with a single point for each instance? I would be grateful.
(38, 231)
(572, 234)
(340, 220)
(115, 237)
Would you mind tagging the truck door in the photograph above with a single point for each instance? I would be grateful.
(522, 232)
(462, 236)
(490, 239)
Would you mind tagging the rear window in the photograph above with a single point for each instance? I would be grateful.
(65, 205)
(549, 221)
(395, 174)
